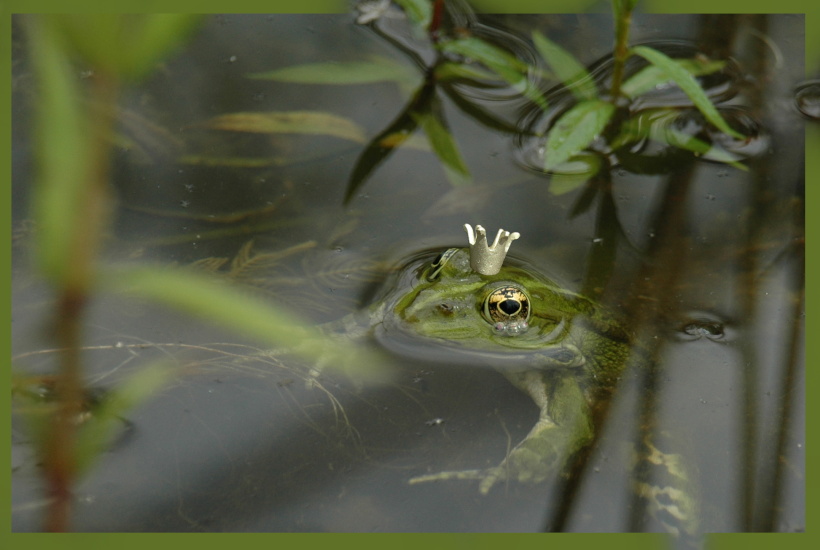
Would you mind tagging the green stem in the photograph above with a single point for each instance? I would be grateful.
(622, 10)
(59, 450)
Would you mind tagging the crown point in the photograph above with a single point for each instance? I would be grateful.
(488, 259)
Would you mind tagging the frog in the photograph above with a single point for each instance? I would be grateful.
(473, 305)
(476, 306)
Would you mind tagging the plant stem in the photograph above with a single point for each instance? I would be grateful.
(622, 10)
(59, 448)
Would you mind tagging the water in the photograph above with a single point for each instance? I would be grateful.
(705, 255)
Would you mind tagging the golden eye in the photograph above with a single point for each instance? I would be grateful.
(507, 303)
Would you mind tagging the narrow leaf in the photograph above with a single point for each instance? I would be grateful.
(214, 300)
(652, 77)
(158, 35)
(568, 70)
(504, 64)
(379, 69)
(62, 145)
(682, 140)
(420, 12)
(689, 85)
(125, 45)
(383, 145)
(441, 140)
(575, 130)
(479, 114)
(289, 122)
(449, 70)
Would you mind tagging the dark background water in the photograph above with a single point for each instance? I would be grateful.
(243, 445)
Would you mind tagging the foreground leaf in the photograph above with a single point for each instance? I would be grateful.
(289, 122)
(62, 145)
(689, 85)
(124, 45)
(575, 130)
(214, 300)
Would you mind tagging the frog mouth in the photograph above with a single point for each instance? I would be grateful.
(558, 355)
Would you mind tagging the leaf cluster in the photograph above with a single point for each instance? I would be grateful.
(598, 123)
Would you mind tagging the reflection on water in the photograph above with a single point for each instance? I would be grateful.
(703, 260)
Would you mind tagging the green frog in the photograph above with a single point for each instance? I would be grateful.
(566, 352)
(468, 306)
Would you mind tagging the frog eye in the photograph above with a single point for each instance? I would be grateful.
(507, 304)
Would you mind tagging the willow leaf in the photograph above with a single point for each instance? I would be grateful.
(568, 70)
(689, 85)
(441, 140)
(575, 130)
(389, 139)
(420, 12)
(289, 122)
(651, 77)
(379, 69)
(504, 64)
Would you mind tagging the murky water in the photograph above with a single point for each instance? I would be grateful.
(703, 257)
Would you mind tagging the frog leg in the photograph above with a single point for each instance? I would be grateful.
(563, 427)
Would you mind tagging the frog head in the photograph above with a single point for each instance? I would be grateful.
(510, 315)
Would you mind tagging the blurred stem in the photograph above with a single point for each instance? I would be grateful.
(60, 457)
(622, 11)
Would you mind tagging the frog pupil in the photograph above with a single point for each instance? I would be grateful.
(510, 307)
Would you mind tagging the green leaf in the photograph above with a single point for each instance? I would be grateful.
(689, 85)
(441, 140)
(127, 46)
(420, 12)
(651, 77)
(681, 140)
(389, 139)
(450, 70)
(575, 130)
(379, 69)
(656, 124)
(215, 300)
(568, 70)
(504, 64)
(62, 145)
(289, 122)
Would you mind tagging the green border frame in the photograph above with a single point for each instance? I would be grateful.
(15, 541)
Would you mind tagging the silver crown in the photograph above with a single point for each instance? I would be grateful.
(484, 259)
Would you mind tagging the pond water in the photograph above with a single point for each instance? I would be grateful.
(702, 259)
